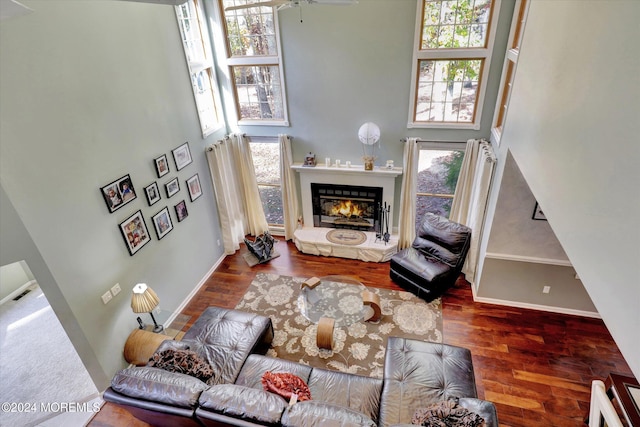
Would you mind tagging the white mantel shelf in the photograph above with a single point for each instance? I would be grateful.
(353, 169)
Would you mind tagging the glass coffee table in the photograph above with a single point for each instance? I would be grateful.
(332, 301)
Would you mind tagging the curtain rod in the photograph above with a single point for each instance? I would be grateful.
(261, 136)
(434, 140)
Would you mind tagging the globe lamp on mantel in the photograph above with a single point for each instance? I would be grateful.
(369, 135)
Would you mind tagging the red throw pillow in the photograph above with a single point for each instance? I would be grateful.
(286, 385)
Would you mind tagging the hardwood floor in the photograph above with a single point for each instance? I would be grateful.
(536, 367)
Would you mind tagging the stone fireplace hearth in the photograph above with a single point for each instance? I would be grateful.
(367, 190)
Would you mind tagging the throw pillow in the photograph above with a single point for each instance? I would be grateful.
(182, 361)
(446, 414)
(286, 385)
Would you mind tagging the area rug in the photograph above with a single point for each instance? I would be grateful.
(346, 237)
(357, 349)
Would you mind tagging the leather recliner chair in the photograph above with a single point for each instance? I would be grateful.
(435, 259)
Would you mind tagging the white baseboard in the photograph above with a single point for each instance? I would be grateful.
(534, 260)
(539, 307)
(18, 291)
(195, 290)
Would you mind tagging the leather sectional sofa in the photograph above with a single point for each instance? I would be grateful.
(416, 374)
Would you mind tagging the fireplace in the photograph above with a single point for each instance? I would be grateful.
(346, 206)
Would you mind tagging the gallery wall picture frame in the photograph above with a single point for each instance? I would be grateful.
(153, 193)
(172, 187)
(193, 184)
(538, 214)
(162, 223)
(162, 165)
(182, 155)
(134, 232)
(181, 210)
(118, 193)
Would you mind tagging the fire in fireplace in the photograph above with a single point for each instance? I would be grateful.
(346, 206)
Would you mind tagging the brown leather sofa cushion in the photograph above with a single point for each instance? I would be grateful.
(225, 338)
(240, 402)
(418, 373)
(158, 385)
(314, 413)
(448, 234)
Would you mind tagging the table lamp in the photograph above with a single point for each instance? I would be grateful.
(145, 300)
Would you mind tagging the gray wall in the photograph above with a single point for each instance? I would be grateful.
(347, 65)
(572, 128)
(92, 91)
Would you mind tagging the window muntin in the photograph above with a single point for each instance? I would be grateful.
(258, 92)
(251, 31)
(438, 170)
(452, 54)
(254, 60)
(197, 49)
(266, 162)
(448, 90)
(455, 24)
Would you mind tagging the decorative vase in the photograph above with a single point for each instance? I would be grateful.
(368, 165)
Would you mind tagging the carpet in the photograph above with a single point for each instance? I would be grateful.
(358, 348)
(346, 237)
(39, 366)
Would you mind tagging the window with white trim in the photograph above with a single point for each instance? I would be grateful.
(509, 69)
(438, 169)
(452, 51)
(197, 50)
(254, 61)
(266, 162)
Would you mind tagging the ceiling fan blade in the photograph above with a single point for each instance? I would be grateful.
(333, 2)
(258, 4)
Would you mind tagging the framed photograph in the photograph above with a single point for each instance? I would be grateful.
(193, 184)
(182, 156)
(538, 214)
(181, 211)
(162, 223)
(162, 165)
(153, 193)
(172, 187)
(118, 193)
(135, 233)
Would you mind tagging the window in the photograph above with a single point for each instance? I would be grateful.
(253, 57)
(195, 40)
(438, 170)
(509, 70)
(266, 162)
(451, 62)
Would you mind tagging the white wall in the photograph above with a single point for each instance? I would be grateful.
(13, 276)
(92, 91)
(573, 129)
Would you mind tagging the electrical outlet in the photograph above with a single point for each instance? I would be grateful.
(218, 242)
(115, 290)
(546, 289)
(106, 297)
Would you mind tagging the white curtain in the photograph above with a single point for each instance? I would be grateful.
(288, 187)
(234, 194)
(407, 213)
(470, 199)
(256, 219)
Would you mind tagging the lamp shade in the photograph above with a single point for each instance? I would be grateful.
(144, 299)
(369, 133)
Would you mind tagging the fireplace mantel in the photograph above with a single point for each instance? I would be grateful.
(353, 175)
